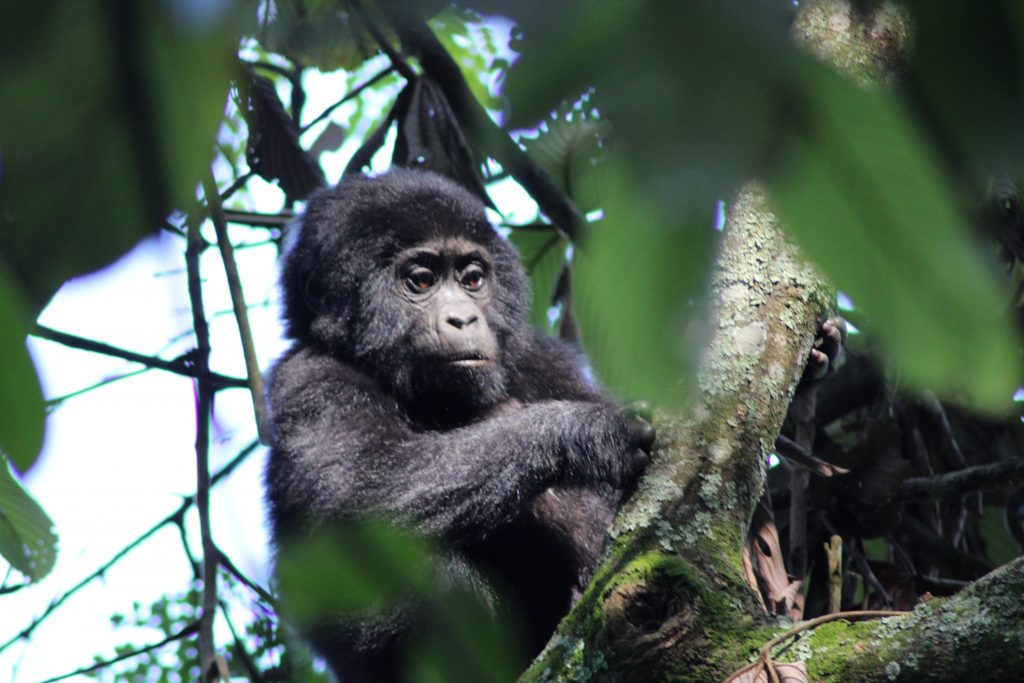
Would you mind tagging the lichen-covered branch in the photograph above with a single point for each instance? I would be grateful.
(669, 601)
(977, 635)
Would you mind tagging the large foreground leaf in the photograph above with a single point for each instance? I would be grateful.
(109, 115)
(21, 399)
(863, 195)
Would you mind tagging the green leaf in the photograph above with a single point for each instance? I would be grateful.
(27, 539)
(109, 118)
(456, 29)
(319, 34)
(636, 281)
(863, 196)
(21, 398)
(542, 253)
(568, 147)
(351, 569)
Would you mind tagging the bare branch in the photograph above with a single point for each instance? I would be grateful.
(259, 220)
(954, 484)
(178, 366)
(204, 405)
(354, 93)
(227, 254)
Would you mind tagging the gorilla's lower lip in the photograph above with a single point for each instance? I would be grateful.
(468, 360)
(471, 362)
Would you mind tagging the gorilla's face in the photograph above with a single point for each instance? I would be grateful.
(447, 287)
(403, 277)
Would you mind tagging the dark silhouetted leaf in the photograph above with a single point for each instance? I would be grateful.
(430, 137)
(274, 151)
(27, 539)
(329, 140)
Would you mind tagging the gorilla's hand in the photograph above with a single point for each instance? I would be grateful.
(827, 349)
(611, 444)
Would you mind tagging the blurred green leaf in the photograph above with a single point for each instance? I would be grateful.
(27, 539)
(317, 33)
(968, 75)
(694, 89)
(109, 117)
(862, 194)
(636, 282)
(542, 253)
(466, 641)
(351, 569)
(999, 545)
(21, 400)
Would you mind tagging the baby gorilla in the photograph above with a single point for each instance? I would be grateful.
(415, 391)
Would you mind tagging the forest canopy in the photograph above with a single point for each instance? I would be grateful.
(879, 141)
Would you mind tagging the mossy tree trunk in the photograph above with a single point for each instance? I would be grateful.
(669, 601)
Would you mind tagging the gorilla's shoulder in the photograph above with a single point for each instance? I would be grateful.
(304, 369)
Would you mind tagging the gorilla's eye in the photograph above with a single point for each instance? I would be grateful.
(472, 278)
(420, 279)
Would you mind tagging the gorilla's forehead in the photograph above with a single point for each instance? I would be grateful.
(449, 247)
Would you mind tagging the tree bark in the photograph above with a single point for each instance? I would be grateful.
(669, 602)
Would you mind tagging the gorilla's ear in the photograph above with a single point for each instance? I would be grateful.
(312, 292)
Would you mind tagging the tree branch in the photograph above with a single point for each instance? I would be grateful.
(227, 254)
(204, 405)
(179, 366)
(671, 584)
(172, 518)
(955, 484)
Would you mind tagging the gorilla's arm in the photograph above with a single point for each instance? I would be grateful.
(341, 448)
(553, 369)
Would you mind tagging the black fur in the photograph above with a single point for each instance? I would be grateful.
(516, 468)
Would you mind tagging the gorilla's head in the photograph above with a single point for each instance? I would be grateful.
(403, 276)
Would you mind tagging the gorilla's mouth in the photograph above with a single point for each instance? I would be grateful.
(466, 359)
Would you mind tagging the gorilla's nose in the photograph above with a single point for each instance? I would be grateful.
(460, 317)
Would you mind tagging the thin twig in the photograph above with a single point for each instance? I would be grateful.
(255, 675)
(236, 186)
(178, 366)
(230, 567)
(259, 220)
(227, 255)
(204, 404)
(188, 630)
(765, 657)
(356, 92)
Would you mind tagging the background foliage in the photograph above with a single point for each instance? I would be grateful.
(626, 125)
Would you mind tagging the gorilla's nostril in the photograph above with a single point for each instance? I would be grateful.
(458, 322)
